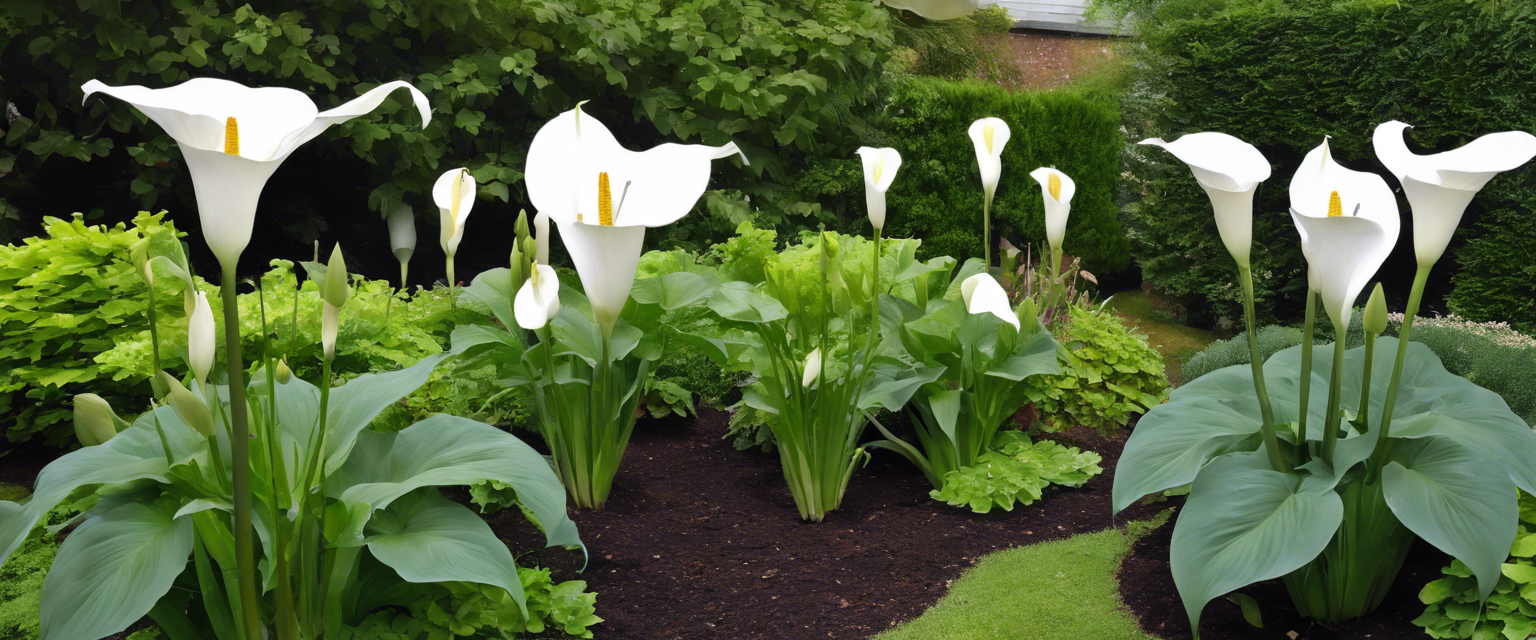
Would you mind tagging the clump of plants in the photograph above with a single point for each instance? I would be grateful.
(1016, 470)
(1320, 465)
(1455, 604)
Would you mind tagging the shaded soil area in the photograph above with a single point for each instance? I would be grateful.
(699, 540)
(1146, 587)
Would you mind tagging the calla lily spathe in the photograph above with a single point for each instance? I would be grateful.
(538, 300)
(604, 196)
(1440, 186)
(201, 338)
(1348, 222)
(454, 193)
(988, 136)
(880, 166)
(541, 237)
(982, 294)
(1229, 170)
(1360, 194)
(1057, 190)
(812, 368)
(402, 233)
(233, 137)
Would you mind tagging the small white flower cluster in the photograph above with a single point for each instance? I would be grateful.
(1499, 332)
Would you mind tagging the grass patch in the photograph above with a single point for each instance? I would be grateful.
(1063, 590)
(21, 577)
(1175, 341)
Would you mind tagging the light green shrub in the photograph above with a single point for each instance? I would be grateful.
(1114, 376)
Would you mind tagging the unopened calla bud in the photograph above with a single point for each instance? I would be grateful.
(1376, 311)
(541, 236)
(139, 255)
(402, 232)
(330, 323)
(515, 267)
(812, 368)
(335, 289)
(201, 338)
(521, 226)
(95, 422)
(829, 245)
(189, 407)
(282, 372)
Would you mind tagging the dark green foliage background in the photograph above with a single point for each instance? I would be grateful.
(937, 195)
(785, 80)
(1281, 76)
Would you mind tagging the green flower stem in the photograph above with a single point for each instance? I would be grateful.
(1335, 393)
(1363, 415)
(453, 301)
(1384, 446)
(1267, 426)
(1055, 289)
(986, 232)
(1306, 364)
(154, 342)
(240, 453)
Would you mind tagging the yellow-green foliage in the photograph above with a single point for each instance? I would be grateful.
(21, 578)
(1454, 610)
(1114, 375)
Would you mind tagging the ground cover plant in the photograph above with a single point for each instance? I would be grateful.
(1334, 495)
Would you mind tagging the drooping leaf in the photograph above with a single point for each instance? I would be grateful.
(671, 291)
(1443, 491)
(1244, 523)
(427, 538)
(112, 570)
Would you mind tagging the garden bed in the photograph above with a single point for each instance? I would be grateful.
(702, 541)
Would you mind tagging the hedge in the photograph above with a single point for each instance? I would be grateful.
(1283, 75)
(937, 195)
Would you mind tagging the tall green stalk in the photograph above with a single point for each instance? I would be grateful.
(1267, 426)
(1363, 415)
(1384, 446)
(239, 446)
(453, 301)
(986, 232)
(1335, 413)
(1310, 329)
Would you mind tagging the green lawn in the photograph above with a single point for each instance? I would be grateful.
(1054, 590)
(1175, 341)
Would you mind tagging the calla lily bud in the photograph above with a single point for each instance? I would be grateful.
(880, 166)
(812, 368)
(515, 267)
(830, 246)
(541, 235)
(189, 407)
(1376, 311)
(283, 373)
(139, 255)
(201, 338)
(95, 422)
(330, 323)
(521, 226)
(402, 232)
(335, 289)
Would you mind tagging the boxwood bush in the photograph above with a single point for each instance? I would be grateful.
(1455, 68)
(937, 195)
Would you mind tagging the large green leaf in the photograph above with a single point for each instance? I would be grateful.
(738, 301)
(425, 537)
(892, 383)
(446, 450)
(1173, 441)
(672, 290)
(493, 288)
(134, 454)
(1443, 491)
(112, 570)
(1245, 522)
(356, 403)
(1036, 357)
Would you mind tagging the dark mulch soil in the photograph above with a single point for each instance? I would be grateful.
(1146, 587)
(699, 540)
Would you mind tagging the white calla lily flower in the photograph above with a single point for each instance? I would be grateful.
(604, 196)
(1229, 170)
(1348, 221)
(880, 166)
(541, 237)
(1360, 194)
(454, 193)
(233, 137)
(538, 300)
(1440, 186)
(1057, 190)
(982, 294)
(812, 368)
(989, 136)
(201, 338)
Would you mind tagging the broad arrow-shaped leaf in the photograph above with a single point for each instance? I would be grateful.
(113, 569)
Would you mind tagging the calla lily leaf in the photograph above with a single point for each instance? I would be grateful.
(425, 537)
